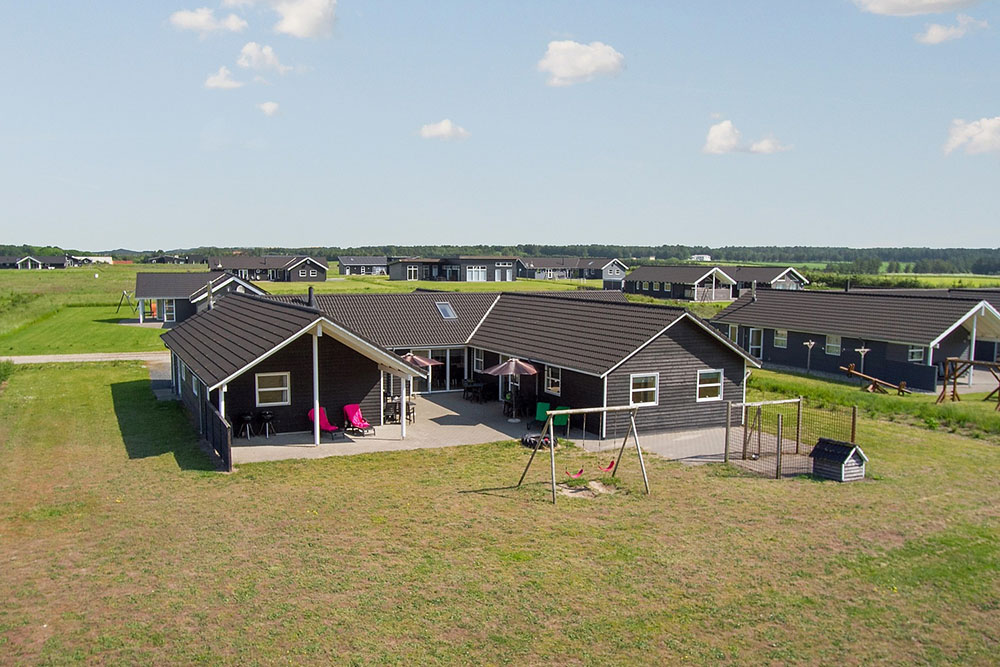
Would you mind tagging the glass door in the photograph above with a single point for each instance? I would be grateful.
(756, 347)
(168, 310)
(439, 374)
(419, 384)
(456, 367)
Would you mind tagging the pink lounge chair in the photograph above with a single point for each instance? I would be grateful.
(324, 423)
(355, 421)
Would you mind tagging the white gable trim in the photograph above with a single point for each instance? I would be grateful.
(984, 305)
(289, 267)
(805, 281)
(215, 288)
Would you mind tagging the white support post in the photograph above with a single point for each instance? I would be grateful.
(972, 345)
(222, 400)
(402, 408)
(142, 310)
(315, 341)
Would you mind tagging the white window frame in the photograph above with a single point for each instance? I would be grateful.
(656, 286)
(478, 360)
(302, 273)
(287, 389)
(413, 272)
(828, 347)
(700, 385)
(915, 354)
(632, 390)
(312, 273)
(734, 332)
(645, 285)
(783, 338)
(169, 312)
(444, 306)
(473, 273)
(553, 373)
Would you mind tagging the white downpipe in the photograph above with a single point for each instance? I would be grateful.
(315, 341)
(402, 408)
(142, 309)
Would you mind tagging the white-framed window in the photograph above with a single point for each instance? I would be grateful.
(478, 360)
(302, 273)
(781, 338)
(833, 345)
(475, 274)
(656, 287)
(553, 380)
(412, 272)
(734, 332)
(505, 263)
(915, 354)
(709, 385)
(447, 312)
(644, 389)
(645, 286)
(273, 389)
(169, 310)
(312, 273)
(184, 372)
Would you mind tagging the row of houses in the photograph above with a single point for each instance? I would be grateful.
(710, 283)
(35, 262)
(478, 268)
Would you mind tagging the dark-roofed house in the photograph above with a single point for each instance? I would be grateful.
(349, 265)
(460, 268)
(43, 262)
(688, 282)
(174, 297)
(764, 277)
(276, 268)
(907, 338)
(8, 261)
(606, 269)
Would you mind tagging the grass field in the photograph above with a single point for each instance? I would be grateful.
(77, 329)
(120, 546)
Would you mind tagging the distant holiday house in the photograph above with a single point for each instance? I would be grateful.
(275, 268)
(174, 297)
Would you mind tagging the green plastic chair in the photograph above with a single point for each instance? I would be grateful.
(540, 409)
(561, 420)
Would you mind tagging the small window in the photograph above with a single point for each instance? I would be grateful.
(833, 345)
(412, 272)
(734, 332)
(553, 380)
(709, 385)
(447, 312)
(273, 389)
(302, 273)
(312, 273)
(644, 389)
(915, 354)
(656, 287)
(478, 360)
(781, 338)
(645, 286)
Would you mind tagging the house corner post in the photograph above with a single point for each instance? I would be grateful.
(402, 408)
(315, 369)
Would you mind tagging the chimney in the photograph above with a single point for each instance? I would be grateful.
(847, 285)
(753, 291)
(312, 298)
(211, 298)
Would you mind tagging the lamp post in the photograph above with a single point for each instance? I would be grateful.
(862, 351)
(809, 352)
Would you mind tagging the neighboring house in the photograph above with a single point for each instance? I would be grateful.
(462, 268)
(8, 261)
(700, 258)
(174, 297)
(276, 268)
(764, 277)
(166, 259)
(687, 282)
(86, 260)
(605, 269)
(590, 352)
(363, 266)
(43, 262)
(906, 337)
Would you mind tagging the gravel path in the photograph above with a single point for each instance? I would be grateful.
(95, 356)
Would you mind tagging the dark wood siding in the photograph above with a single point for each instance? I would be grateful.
(678, 354)
(292, 275)
(345, 377)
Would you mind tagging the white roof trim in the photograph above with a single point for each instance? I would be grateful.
(483, 318)
(290, 266)
(984, 305)
(805, 281)
(215, 288)
(714, 269)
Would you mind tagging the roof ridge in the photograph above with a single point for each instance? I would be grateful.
(266, 298)
(569, 296)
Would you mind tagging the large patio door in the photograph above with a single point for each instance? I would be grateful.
(756, 347)
(439, 374)
(168, 310)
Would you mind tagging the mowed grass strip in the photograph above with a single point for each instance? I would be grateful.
(119, 545)
(78, 329)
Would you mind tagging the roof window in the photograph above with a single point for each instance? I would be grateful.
(447, 312)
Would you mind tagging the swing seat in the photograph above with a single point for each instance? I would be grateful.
(609, 468)
(576, 476)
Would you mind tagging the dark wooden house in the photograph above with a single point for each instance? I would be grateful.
(174, 297)
(836, 460)
(606, 269)
(275, 268)
(461, 268)
(687, 282)
(350, 265)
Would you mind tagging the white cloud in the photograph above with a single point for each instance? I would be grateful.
(725, 138)
(935, 33)
(305, 18)
(569, 62)
(258, 57)
(269, 108)
(444, 130)
(912, 7)
(979, 136)
(222, 80)
(203, 21)
(239, 4)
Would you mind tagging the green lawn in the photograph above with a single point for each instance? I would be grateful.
(119, 546)
(77, 329)
(703, 309)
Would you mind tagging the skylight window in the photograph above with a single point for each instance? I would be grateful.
(447, 312)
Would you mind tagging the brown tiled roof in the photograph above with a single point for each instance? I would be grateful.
(150, 284)
(238, 330)
(569, 332)
(917, 320)
(404, 320)
(267, 262)
(748, 274)
(669, 274)
(362, 260)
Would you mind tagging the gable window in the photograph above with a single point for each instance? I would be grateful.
(475, 274)
(709, 385)
(781, 338)
(644, 389)
(553, 380)
(412, 272)
(273, 389)
(447, 312)
(833, 345)
(478, 360)
(302, 273)
(312, 273)
(915, 354)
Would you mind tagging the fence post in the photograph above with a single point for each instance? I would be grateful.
(798, 426)
(777, 463)
(854, 424)
(746, 433)
(729, 419)
(760, 429)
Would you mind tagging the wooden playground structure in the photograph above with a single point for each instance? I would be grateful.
(954, 367)
(876, 385)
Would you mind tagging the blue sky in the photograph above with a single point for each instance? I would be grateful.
(841, 122)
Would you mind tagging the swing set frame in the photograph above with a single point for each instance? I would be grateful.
(550, 431)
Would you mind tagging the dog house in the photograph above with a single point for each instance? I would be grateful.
(840, 461)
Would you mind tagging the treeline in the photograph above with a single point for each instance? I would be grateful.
(44, 250)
